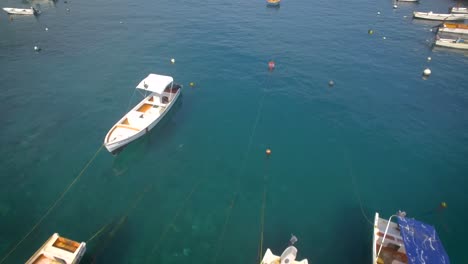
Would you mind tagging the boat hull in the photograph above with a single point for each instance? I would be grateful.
(117, 146)
(439, 17)
(448, 43)
(19, 11)
(459, 10)
(273, 3)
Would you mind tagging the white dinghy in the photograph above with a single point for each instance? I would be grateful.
(459, 10)
(145, 115)
(21, 11)
(287, 257)
(443, 17)
(458, 43)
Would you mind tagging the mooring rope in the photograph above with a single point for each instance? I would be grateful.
(53, 205)
(241, 172)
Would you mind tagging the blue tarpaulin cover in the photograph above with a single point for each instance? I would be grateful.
(422, 243)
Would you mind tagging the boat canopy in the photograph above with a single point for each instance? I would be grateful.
(421, 242)
(155, 83)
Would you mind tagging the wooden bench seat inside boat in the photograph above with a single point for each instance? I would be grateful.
(66, 244)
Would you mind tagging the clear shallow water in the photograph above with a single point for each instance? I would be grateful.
(402, 140)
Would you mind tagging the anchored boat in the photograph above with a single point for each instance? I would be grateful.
(459, 10)
(458, 43)
(21, 11)
(273, 3)
(58, 249)
(287, 257)
(443, 17)
(454, 28)
(406, 241)
(145, 115)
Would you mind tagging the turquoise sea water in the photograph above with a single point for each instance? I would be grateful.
(382, 139)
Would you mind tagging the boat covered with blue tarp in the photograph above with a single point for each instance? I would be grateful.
(421, 242)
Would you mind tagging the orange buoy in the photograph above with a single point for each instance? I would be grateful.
(271, 65)
(268, 152)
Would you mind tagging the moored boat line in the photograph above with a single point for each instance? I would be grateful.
(443, 17)
(454, 28)
(458, 43)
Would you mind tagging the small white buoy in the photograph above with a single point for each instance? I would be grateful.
(429, 58)
(68, 9)
(405, 16)
(331, 83)
(46, 29)
(121, 22)
(427, 72)
(395, 6)
(384, 37)
(378, 13)
(36, 48)
(172, 60)
(430, 30)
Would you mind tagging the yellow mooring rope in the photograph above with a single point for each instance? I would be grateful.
(52, 207)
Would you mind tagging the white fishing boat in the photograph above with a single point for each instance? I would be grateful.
(459, 10)
(287, 257)
(408, 0)
(58, 249)
(443, 17)
(454, 28)
(21, 11)
(458, 43)
(406, 241)
(145, 115)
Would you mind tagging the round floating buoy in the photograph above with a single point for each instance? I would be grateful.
(378, 13)
(271, 65)
(268, 152)
(46, 29)
(68, 9)
(120, 22)
(429, 58)
(192, 84)
(36, 48)
(331, 83)
(172, 60)
(384, 37)
(443, 205)
(370, 31)
(395, 6)
(427, 72)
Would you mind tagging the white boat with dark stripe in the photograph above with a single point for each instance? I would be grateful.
(442, 17)
(144, 116)
(21, 11)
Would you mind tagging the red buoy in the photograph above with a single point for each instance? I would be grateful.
(271, 65)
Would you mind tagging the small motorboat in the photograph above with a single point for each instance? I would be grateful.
(459, 10)
(58, 249)
(21, 11)
(287, 257)
(454, 28)
(406, 241)
(273, 3)
(163, 92)
(443, 17)
(458, 43)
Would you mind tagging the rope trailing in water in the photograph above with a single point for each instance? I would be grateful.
(355, 188)
(176, 215)
(241, 171)
(53, 205)
(262, 224)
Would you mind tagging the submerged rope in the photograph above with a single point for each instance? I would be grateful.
(174, 218)
(241, 171)
(53, 205)
(355, 188)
